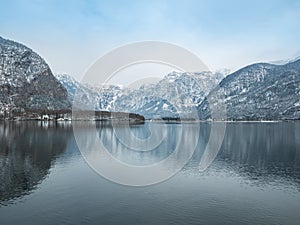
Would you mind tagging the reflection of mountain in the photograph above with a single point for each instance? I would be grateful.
(155, 142)
(255, 150)
(263, 150)
(27, 151)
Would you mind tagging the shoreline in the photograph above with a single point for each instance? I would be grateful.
(146, 121)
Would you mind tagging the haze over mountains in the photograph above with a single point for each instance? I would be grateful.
(256, 92)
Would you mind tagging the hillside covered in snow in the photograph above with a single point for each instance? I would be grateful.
(258, 92)
(173, 96)
(26, 82)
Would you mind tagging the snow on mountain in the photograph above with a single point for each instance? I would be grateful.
(26, 81)
(259, 92)
(282, 62)
(102, 97)
(175, 95)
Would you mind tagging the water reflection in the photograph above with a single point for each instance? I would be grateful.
(263, 151)
(165, 139)
(27, 152)
(259, 152)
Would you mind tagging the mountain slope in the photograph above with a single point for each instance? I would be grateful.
(259, 92)
(102, 95)
(26, 81)
(175, 95)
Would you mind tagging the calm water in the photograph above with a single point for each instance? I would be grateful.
(255, 178)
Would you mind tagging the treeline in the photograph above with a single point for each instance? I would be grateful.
(38, 114)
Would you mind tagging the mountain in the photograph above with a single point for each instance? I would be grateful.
(286, 61)
(26, 81)
(103, 95)
(173, 96)
(258, 92)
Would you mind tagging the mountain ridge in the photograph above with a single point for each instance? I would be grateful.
(260, 91)
(27, 82)
(173, 96)
(157, 101)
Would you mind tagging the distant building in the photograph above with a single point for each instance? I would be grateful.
(45, 117)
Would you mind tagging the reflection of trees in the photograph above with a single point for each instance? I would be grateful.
(263, 149)
(27, 151)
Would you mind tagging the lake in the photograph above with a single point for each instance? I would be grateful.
(254, 179)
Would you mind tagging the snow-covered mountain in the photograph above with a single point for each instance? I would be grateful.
(259, 92)
(26, 81)
(102, 97)
(176, 94)
(286, 61)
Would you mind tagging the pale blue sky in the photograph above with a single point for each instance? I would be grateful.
(71, 35)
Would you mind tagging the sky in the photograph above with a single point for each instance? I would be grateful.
(72, 35)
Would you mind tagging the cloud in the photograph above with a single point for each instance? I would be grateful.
(71, 35)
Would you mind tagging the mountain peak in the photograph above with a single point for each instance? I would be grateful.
(26, 81)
